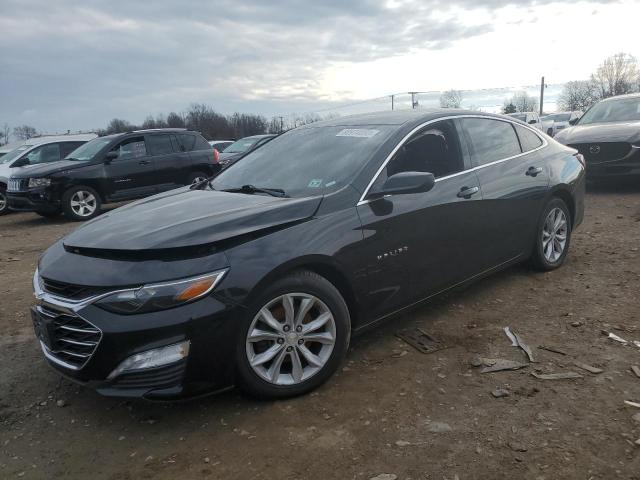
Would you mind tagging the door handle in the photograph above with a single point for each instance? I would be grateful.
(467, 192)
(533, 171)
(144, 162)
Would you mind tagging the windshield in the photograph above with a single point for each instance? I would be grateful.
(87, 151)
(241, 145)
(519, 116)
(315, 160)
(13, 154)
(622, 110)
(558, 117)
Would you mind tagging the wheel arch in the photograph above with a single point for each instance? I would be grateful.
(563, 193)
(324, 266)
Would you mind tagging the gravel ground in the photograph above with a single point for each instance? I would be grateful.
(391, 409)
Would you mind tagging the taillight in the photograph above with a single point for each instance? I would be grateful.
(216, 156)
(581, 159)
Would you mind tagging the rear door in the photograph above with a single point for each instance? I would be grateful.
(131, 174)
(418, 244)
(168, 162)
(514, 180)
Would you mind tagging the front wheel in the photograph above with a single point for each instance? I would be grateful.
(81, 203)
(553, 236)
(4, 208)
(294, 337)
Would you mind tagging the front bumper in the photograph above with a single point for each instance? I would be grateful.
(605, 166)
(39, 199)
(209, 325)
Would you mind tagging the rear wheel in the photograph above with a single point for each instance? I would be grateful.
(553, 236)
(294, 337)
(4, 208)
(81, 203)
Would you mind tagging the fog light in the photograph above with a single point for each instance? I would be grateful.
(153, 358)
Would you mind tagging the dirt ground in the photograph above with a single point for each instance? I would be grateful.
(391, 409)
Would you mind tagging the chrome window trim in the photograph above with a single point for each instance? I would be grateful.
(363, 200)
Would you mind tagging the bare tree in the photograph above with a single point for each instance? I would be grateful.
(175, 121)
(578, 95)
(24, 132)
(522, 103)
(617, 75)
(6, 131)
(451, 99)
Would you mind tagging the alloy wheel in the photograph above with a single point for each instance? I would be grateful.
(290, 339)
(554, 235)
(3, 202)
(83, 203)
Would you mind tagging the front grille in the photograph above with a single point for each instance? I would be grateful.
(608, 151)
(160, 377)
(17, 185)
(72, 339)
(72, 291)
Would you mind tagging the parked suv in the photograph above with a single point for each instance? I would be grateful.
(36, 151)
(111, 169)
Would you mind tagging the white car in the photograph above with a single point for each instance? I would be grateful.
(35, 151)
(559, 121)
(530, 118)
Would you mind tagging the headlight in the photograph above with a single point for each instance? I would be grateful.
(39, 182)
(161, 296)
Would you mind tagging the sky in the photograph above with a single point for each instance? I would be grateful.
(74, 65)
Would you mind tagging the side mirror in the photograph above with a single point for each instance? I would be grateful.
(110, 156)
(532, 121)
(21, 162)
(573, 121)
(406, 182)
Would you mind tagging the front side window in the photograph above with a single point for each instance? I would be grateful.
(491, 140)
(435, 150)
(44, 154)
(528, 140)
(308, 161)
(159, 144)
(133, 147)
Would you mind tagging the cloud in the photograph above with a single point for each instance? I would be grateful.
(80, 63)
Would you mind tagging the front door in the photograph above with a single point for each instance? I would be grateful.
(131, 174)
(419, 244)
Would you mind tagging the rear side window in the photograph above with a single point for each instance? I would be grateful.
(159, 144)
(67, 147)
(187, 141)
(201, 143)
(133, 147)
(491, 140)
(528, 139)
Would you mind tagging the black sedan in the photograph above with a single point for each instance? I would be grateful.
(608, 135)
(259, 277)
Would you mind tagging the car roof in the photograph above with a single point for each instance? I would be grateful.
(621, 97)
(398, 117)
(80, 137)
(161, 130)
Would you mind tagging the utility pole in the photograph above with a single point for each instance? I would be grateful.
(392, 101)
(413, 99)
(542, 86)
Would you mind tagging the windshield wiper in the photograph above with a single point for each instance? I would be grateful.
(274, 192)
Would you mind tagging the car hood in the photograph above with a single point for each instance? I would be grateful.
(44, 169)
(189, 218)
(601, 132)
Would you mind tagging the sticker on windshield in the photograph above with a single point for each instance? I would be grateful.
(315, 183)
(357, 132)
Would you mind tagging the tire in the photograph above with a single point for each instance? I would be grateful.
(303, 288)
(4, 208)
(81, 203)
(556, 219)
(48, 213)
(197, 177)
